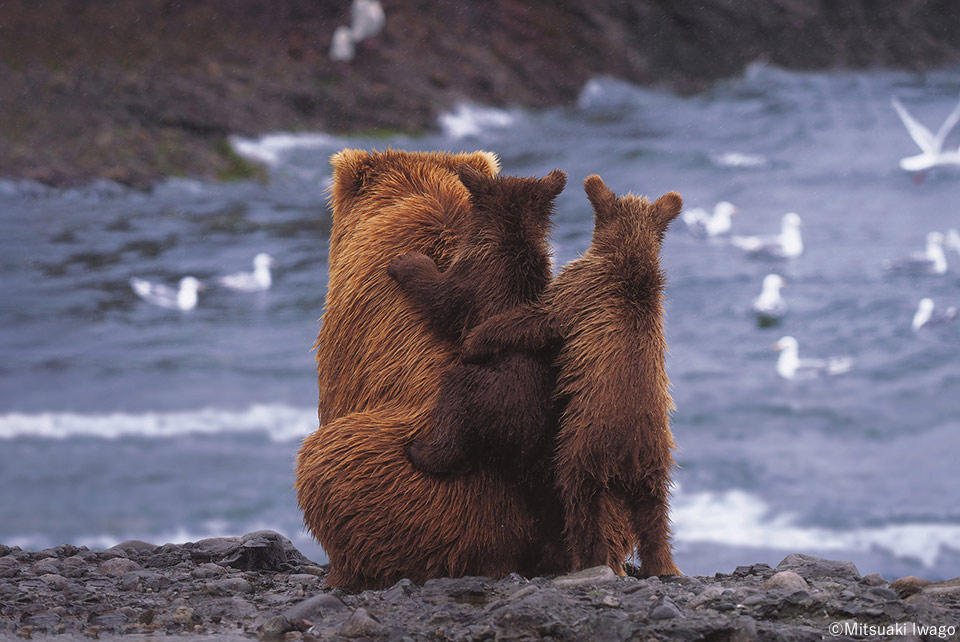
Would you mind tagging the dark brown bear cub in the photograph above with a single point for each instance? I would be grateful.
(499, 413)
(614, 449)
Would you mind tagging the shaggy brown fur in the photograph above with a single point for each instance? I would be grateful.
(499, 413)
(379, 370)
(614, 453)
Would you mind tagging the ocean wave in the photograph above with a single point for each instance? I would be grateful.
(472, 120)
(280, 423)
(269, 149)
(738, 518)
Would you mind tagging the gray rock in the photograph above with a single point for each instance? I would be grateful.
(465, 590)
(399, 591)
(54, 581)
(43, 621)
(133, 547)
(664, 609)
(140, 581)
(231, 586)
(588, 577)
(74, 566)
(9, 566)
(231, 609)
(314, 608)
(763, 570)
(808, 567)
(304, 579)
(207, 570)
(743, 629)
(873, 579)
(118, 566)
(361, 624)
(212, 549)
(260, 551)
(276, 626)
(166, 556)
(949, 589)
(786, 580)
(4, 550)
(883, 593)
(45, 566)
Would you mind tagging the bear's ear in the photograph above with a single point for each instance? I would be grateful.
(665, 209)
(486, 163)
(552, 184)
(351, 169)
(603, 200)
(475, 181)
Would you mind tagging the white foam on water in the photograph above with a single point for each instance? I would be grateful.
(281, 423)
(472, 120)
(739, 160)
(269, 149)
(737, 518)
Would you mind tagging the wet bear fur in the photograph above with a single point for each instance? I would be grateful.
(614, 456)
(499, 413)
(379, 369)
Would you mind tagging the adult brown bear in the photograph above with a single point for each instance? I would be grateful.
(614, 452)
(379, 368)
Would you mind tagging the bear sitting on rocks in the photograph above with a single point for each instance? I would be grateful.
(614, 449)
(379, 369)
(499, 413)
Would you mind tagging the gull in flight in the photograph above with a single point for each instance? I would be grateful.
(786, 245)
(926, 315)
(931, 145)
(702, 225)
(259, 279)
(770, 306)
(932, 261)
(183, 298)
(791, 366)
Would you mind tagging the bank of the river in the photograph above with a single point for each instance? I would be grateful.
(260, 586)
(133, 91)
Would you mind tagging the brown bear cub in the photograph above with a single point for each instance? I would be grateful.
(499, 413)
(614, 452)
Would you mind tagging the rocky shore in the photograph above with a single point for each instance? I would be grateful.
(133, 91)
(260, 587)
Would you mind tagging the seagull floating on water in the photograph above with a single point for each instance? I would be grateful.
(931, 145)
(786, 245)
(932, 261)
(701, 224)
(184, 298)
(259, 279)
(791, 366)
(770, 306)
(927, 314)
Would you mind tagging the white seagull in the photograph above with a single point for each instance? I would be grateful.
(786, 245)
(927, 315)
(931, 145)
(366, 19)
(702, 225)
(184, 298)
(953, 240)
(259, 279)
(791, 366)
(770, 306)
(932, 261)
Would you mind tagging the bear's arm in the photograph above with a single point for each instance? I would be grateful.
(525, 328)
(444, 303)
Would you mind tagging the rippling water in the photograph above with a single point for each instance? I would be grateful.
(119, 419)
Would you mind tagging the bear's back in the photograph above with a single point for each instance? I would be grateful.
(373, 346)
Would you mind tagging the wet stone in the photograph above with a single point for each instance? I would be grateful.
(883, 593)
(133, 548)
(361, 624)
(315, 608)
(402, 589)
(54, 582)
(9, 566)
(208, 570)
(230, 586)
(74, 566)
